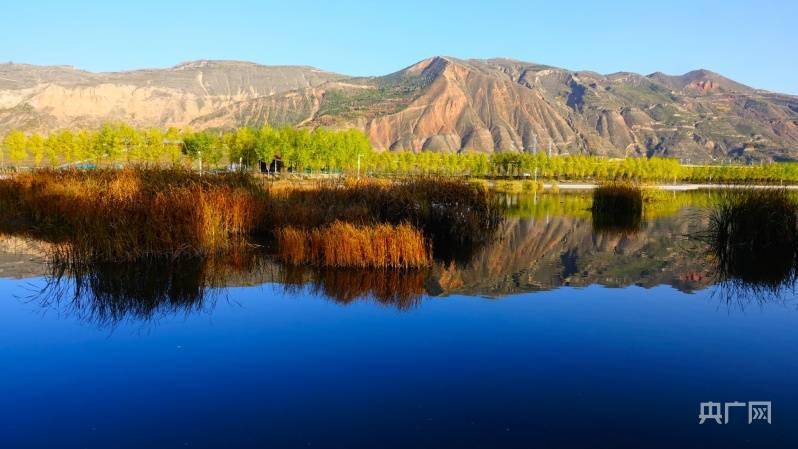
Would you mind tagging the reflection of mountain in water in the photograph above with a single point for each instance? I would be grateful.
(529, 254)
(545, 253)
(21, 257)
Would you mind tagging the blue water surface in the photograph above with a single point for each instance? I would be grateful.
(260, 367)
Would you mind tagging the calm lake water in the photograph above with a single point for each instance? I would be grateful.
(555, 335)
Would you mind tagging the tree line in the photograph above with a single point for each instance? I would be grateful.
(118, 144)
(515, 165)
(323, 150)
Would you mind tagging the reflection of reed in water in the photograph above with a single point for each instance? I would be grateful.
(752, 239)
(398, 288)
(616, 224)
(617, 209)
(107, 293)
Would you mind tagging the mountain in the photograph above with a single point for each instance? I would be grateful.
(441, 103)
(45, 98)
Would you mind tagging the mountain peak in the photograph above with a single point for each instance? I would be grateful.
(700, 80)
(212, 63)
(432, 66)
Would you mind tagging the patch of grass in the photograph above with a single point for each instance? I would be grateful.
(480, 183)
(506, 186)
(343, 244)
(532, 186)
(518, 186)
(135, 214)
(132, 214)
(617, 208)
(453, 214)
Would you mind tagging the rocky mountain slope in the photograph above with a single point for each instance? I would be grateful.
(45, 98)
(441, 103)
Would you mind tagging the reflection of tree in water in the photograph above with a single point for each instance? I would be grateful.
(402, 289)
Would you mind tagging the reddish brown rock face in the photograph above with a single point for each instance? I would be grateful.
(706, 85)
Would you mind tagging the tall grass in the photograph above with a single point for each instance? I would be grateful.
(130, 214)
(753, 238)
(127, 215)
(343, 244)
(452, 214)
(617, 208)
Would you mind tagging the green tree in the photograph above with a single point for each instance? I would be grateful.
(202, 146)
(52, 148)
(242, 146)
(36, 148)
(173, 145)
(15, 144)
(153, 146)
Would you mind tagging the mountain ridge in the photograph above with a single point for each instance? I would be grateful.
(441, 103)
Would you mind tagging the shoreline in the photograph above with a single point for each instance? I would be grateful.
(572, 186)
(673, 187)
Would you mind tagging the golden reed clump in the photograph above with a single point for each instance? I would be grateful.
(343, 244)
(133, 213)
(441, 207)
(456, 217)
(129, 214)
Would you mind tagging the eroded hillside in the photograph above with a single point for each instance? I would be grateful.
(441, 103)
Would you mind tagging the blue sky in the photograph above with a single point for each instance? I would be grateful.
(753, 42)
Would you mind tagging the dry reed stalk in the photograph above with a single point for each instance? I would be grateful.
(346, 245)
(129, 214)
